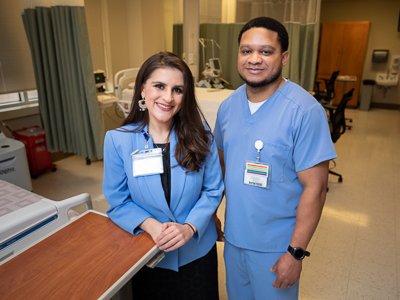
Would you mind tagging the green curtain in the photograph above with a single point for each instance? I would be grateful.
(177, 40)
(303, 51)
(62, 61)
(226, 36)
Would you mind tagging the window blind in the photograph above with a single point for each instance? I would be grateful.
(16, 68)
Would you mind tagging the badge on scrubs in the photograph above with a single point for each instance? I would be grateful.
(257, 173)
(147, 162)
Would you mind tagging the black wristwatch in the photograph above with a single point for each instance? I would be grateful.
(298, 253)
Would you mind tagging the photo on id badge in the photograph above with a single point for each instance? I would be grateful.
(257, 173)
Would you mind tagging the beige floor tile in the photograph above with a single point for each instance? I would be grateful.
(305, 296)
(379, 210)
(373, 274)
(316, 282)
(364, 291)
(336, 232)
(382, 254)
(72, 177)
(347, 205)
(327, 271)
(379, 233)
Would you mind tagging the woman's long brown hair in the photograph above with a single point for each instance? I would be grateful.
(193, 138)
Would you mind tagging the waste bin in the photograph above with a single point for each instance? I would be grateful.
(39, 158)
(366, 94)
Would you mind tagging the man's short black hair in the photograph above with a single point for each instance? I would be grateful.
(269, 24)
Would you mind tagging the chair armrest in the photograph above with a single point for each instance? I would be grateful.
(330, 108)
(326, 83)
(317, 83)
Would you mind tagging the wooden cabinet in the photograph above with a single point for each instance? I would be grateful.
(342, 47)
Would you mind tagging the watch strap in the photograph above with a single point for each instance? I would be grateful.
(294, 251)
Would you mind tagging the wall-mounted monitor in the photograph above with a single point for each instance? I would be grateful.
(215, 64)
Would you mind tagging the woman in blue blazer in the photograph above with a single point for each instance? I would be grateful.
(175, 207)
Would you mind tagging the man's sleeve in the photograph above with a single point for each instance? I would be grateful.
(312, 139)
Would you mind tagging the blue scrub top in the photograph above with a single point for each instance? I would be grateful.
(294, 129)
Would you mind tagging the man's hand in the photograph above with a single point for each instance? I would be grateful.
(173, 236)
(217, 221)
(288, 271)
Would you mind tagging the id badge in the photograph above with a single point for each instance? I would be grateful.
(257, 174)
(147, 162)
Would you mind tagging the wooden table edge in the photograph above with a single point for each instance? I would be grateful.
(112, 290)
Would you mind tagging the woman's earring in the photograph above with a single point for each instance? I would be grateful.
(142, 105)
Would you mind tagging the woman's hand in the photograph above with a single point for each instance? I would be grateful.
(152, 227)
(174, 235)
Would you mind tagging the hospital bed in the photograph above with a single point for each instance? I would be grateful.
(26, 217)
(209, 99)
(49, 251)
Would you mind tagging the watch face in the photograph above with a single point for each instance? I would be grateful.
(299, 253)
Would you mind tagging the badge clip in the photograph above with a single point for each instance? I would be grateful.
(259, 145)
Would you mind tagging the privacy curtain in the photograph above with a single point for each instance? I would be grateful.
(59, 42)
(226, 35)
(177, 40)
(301, 19)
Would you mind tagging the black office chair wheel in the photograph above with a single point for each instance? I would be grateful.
(54, 169)
(340, 179)
(88, 161)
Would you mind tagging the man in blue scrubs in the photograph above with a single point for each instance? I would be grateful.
(274, 145)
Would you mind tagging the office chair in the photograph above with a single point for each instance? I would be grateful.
(351, 121)
(329, 93)
(337, 121)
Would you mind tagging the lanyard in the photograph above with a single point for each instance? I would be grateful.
(146, 137)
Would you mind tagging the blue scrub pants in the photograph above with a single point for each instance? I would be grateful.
(248, 275)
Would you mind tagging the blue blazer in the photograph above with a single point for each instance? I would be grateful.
(194, 196)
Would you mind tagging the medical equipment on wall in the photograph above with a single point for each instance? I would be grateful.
(212, 69)
(100, 80)
(14, 166)
(21, 227)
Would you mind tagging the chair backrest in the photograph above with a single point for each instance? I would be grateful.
(330, 86)
(337, 118)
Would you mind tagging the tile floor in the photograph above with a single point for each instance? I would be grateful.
(355, 252)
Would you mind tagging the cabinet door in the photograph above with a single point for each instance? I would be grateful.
(330, 47)
(354, 45)
(342, 47)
